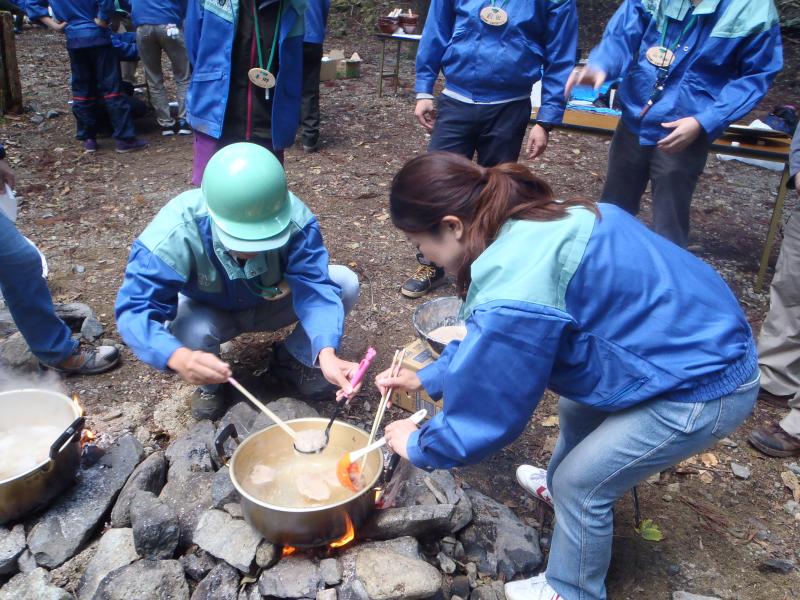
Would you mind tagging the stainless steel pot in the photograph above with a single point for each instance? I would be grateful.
(34, 489)
(301, 527)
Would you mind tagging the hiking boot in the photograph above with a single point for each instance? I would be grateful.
(167, 130)
(308, 382)
(772, 440)
(88, 361)
(208, 405)
(535, 588)
(427, 277)
(774, 399)
(183, 127)
(311, 149)
(90, 145)
(534, 481)
(131, 145)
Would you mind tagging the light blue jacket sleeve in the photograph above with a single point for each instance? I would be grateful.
(621, 40)
(493, 383)
(435, 37)
(760, 60)
(559, 58)
(147, 299)
(316, 298)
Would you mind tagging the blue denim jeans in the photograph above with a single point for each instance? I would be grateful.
(28, 299)
(202, 327)
(599, 456)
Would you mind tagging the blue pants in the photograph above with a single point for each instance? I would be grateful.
(202, 327)
(95, 75)
(599, 456)
(494, 131)
(28, 299)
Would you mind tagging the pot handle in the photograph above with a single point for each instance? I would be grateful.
(388, 472)
(227, 432)
(74, 429)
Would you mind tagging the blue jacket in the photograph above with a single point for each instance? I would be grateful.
(158, 12)
(488, 63)
(125, 46)
(178, 253)
(316, 18)
(210, 28)
(723, 67)
(81, 30)
(604, 312)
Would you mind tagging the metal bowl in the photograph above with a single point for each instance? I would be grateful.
(439, 312)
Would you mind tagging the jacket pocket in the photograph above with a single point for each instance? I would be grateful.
(208, 75)
(625, 391)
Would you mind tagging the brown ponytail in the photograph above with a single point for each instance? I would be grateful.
(432, 186)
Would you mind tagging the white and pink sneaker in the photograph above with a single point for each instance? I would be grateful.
(535, 588)
(534, 481)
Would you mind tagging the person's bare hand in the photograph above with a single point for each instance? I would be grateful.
(198, 367)
(397, 435)
(684, 132)
(338, 372)
(584, 76)
(425, 113)
(537, 142)
(53, 24)
(101, 23)
(405, 379)
(7, 176)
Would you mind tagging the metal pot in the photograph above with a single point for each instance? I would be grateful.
(301, 527)
(433, 314)
(34, 489)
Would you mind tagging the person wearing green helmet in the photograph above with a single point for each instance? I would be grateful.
(240, 254)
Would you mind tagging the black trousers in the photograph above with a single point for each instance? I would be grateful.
(309, 103)
(494, 131)
(673, 178)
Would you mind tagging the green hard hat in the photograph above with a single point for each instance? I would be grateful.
(244, 186)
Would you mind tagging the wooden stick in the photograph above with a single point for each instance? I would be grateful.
(394, 370)
(292, 433)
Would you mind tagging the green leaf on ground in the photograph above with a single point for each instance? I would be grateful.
(650, 531)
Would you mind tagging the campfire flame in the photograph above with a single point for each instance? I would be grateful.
(349, 534)
(288, 551)
(87, 437)
(78, 404)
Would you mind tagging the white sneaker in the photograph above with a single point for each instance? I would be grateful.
(534, 481)
(535, 588)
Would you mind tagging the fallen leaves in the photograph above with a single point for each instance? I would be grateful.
(551, 421)
(650, 531)
(790, 481)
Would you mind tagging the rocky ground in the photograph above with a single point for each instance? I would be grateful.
(723, 533)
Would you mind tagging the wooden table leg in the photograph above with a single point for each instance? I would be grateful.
(380, 70)
(397, 67)
(774, 225)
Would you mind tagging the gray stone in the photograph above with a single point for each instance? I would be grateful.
(26, 561)
(234, 510)
(794, 468)
(149, 476)
(115, 550)
(229, 539)
(688, 596)
(222, 490)
(728, 442)
(292, 577)
(222, 583)
(73, 314)
(498, 541)
(52, 114)
(390, 576)
(91, 329)
(190, 453)
(446, 564)
(405, 546)
(197, 564)
(777, 565)
(329, 594)
(330, 571)
(353, 590)
(791, 507)
(460, 586)
(156, 529)
(37, 118)
(75, 517)
(493, 591)
(416, 520)
(15, 354)
(741, 471)
(189, 497)
(12, 543)
(32, 586)
(267, 554)
(472, 574)
(250, 592)
(145, 580)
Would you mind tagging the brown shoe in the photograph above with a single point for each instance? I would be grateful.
(774, 399)
(772, 440)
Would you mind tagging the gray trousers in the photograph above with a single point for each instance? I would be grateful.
(673, 178)
(779, 341)
(151, 40)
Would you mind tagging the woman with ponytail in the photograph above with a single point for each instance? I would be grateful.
(647, 347)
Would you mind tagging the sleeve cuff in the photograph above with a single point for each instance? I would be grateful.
(423, 86)
(170, 346)
(323, 341)
(710, 123)
(415, 454)
(550, 115)
(431, 379)
(424, 96)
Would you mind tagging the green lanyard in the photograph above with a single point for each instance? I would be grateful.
(274, 37)
(677, 41)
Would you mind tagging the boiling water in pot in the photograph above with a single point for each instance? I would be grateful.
(282, 477)
(25, 446)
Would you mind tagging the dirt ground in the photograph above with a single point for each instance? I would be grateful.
(85, 211)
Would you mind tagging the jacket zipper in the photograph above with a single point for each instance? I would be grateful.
(631, 387)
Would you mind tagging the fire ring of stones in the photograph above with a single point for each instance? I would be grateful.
(169, 527)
